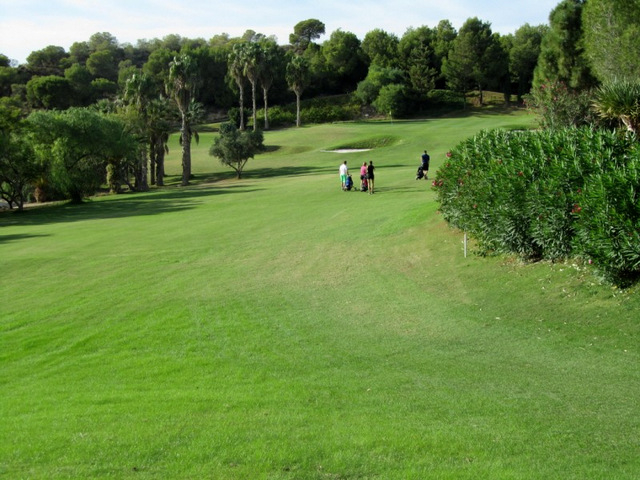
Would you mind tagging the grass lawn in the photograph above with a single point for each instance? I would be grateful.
(275, 327)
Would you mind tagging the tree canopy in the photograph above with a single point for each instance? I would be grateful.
(611, 31)
(75, 146)
(234, 148)
(305, 32)
(562, 55)
(476, 59)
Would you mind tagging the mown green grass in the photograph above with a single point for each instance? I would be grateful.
(276, 327)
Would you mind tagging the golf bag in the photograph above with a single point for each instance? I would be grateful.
(349, 183)
(364, 184)
(419, 173)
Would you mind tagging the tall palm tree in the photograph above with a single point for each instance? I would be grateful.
(298, 78)
(181, 86)
(252, 59)
(138, 93)
(236, 70)
(153, 110)
(267, 73)
(159, 128)
(619, 100)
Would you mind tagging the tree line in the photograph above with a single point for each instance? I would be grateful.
(422, 60)
(157, 86)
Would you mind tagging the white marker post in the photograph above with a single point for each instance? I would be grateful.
(465, 244)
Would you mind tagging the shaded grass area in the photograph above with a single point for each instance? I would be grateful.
(276, 327)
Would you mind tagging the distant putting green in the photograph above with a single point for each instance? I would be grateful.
(276, 327)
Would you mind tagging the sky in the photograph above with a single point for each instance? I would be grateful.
(28, 25)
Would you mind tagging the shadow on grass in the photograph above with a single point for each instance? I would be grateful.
(125, 205)
(253, 172)
(487, 110)
(17, 238)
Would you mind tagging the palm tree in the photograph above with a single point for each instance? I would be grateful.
(619, 100)
(251, 56)
(159, 128)
(236, 70)
(138, 93)
(266, 74)
(154, 114)
(297, 78)
(181, 86)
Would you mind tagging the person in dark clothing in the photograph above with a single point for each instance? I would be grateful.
(425, 165)
(370, 176)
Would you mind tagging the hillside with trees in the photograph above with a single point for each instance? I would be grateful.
(174, 84)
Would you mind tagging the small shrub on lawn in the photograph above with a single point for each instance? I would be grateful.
(548, 195)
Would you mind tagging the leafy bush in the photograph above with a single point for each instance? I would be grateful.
(369, 88)
(444, 99)
(234, 115)
(559, 106)
(548, 195)
(234, 148)
(607, 215)
(391, 100)
(330, 113)
(316, 110)
(279, 116)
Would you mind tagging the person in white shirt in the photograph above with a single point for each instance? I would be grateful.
(344, 171)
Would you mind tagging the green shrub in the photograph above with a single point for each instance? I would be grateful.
(607, 216)
(391, 100)
(315, 110)
(330, 113)
(560, 106)
(548, 195)
(234, 115)
(444, 100)
(279, 116)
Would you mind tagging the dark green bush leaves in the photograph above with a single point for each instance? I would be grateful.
(548, 195)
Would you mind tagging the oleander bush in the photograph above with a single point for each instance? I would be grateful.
(607, 214)
(549, 194)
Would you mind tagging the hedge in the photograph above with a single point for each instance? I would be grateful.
(549, 194)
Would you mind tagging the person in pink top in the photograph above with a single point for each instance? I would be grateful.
(363, 174)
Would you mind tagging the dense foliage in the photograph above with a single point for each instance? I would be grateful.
(548, 194)
(425, 70)
(611, 29)
(234, 148)
(75, 146)
(559, 106)
(562, 51)
(99, 68)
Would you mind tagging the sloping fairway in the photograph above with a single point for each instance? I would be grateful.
(275, 327)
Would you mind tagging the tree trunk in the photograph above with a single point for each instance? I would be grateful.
(160, 163)
(266, 115)
(242, 127)
(186, 151)
(152, 161)
(141, 173)
(297, 109)
(254, 106)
